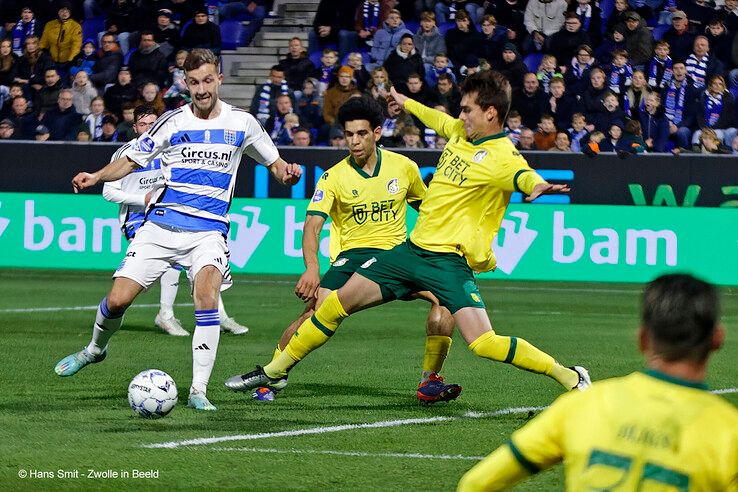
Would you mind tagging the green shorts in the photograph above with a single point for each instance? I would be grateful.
(407, 268)
(345, 265)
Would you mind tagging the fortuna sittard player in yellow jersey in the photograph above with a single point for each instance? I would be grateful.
(461, 213)
(364, 195)
(655, 430)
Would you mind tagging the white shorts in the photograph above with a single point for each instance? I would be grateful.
(154, 249)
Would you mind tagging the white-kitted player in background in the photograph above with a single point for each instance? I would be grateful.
(131, 193)
(186, 221)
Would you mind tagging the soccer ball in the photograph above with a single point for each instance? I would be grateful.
(152, 394)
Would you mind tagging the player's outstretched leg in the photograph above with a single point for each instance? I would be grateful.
(439, 328)
(169, 282)
(228, 324)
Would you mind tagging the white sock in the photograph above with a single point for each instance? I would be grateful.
(204, 347)
(221, 308)
(169, 282)
(106, 323)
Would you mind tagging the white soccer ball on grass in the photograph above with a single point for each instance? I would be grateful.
(152, 394)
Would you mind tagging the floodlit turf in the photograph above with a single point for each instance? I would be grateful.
(367, 373)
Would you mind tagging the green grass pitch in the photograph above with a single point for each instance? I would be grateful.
(367, 373)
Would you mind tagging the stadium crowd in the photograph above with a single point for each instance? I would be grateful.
(626, 76)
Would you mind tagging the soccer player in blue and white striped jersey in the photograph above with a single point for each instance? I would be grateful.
(186, 221)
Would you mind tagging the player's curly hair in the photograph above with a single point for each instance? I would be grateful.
(361, 108)
(199, 57)
(491, 89)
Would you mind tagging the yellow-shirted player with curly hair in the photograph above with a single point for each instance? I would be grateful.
(656, 430)
(477, 173)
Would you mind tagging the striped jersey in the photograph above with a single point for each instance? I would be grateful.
(199, 160)
(130, 191)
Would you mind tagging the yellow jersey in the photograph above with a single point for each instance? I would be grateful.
(470, 190)
(644, 432)
(367, 211)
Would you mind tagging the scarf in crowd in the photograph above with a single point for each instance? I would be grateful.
(713, 108)
(388, 127)
(429, 137)
(585, 16)
(576, 139)
(265, 97)
(545, 78)
(452, 11)
(620, 77)
(514, 135)
(674, 104)
(653, 72)
(325, 79)
(670, 5)
(20, 32)
(627, 103)
(697, 69)
(578, 69)
(371, 16)
(278, 124)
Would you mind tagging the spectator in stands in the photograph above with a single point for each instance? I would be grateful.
(612, 114)
(264, 102)
(446, 10)
(83, 135)
(559, 103)
(710, 143)
(109, 131)
(326, 73)
(254, 11)
(83, 93)
(308, 104)
(301, 137)
(638, 40)
(7, 130)
(716, 110)
(660, 66)
(202, 33)
(492, 40)
(93, 121)
(26, 26)
(370, 16)
(578, 134)
(286, 133)
(410, 138)
(545, 137)
(632, 139)
(24, 119)
(634, 98)
(177, 94)
(527, 140)
(404, 61)
(361, 75)
(680, 39)
(334, 24)
(621, 73)
(148, 63)
(514, 126)
(680, 105)
(576, 75)
(547, 71)
(528, 100)
(561, 143)
(121, 21)
(440, 67)
(150, 96)
(85, 60)
(719, 40)
(106, 69)
(387, 38)
(511, 14)
(125, 127)
(48, 96)
(462, 40)
(166, 34)
(654, 124)
(63, 121)
(448, 94)
(8, 63)
(415, 88)
(564, 43)
(62, 37)
(593, 98)
(337, 95)
(699, 11)
(728, 14)
(275, 123)
(612, 141)
(701, 64)
(338, 139)
(542, 19)
(43, 133)
(591, 18)
(32, 65)
(121, 92)
(379, 86)
(615, 42)
(428, 40)
(296, 65)
(511, 66)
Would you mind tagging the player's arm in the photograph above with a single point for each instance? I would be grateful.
(514, 174)
(287, 174)
(112, 192)
(117, 169)
(445, 125)
(307, 286)
(498, 471)
(416, 188)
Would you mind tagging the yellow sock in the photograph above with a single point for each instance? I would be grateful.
(277, 352)
(436, 350)
(311, 334)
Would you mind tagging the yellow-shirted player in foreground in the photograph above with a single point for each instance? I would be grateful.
(655, 430)
(476, 174)
(364, 194)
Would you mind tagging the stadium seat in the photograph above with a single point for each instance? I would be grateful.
(412, 26)
(445, 27)
(91, 27)
(532, 61)
(659, 31)
(315, 57)
(232, 34)
(606, 6)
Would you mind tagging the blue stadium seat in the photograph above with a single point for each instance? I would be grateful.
(532, 61)
(231, 34)
(606, 6)
(91, 27)
(445, 27)
(315, 57)
(412, 26)
(659, 31)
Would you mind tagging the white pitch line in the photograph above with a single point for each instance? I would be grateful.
(76, 308)
(338, 428)
(360, 454)
(725, 391)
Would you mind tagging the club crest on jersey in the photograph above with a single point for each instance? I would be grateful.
(206, 138)
(144, 144)
(393, 186)
(229, 137)
(318, 195)
(355, 193)
(479, 156)
(340, 262)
